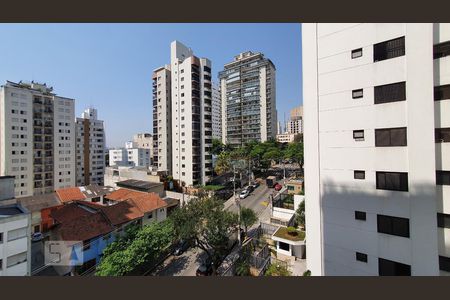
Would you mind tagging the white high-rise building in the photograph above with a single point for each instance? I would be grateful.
(191, 116)
(377, 148)
(90, 147)
(37, 138)
(249, 112)
(216, 112)
(130, 156)
(162, 120)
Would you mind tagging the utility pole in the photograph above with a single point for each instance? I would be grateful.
(238, 203)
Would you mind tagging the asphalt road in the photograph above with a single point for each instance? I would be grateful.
(257, 200)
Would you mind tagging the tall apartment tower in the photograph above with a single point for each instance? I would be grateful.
(377, 148)
(295, 123)
(191, 116)
(90, 145)
(37, 138)
(248, 99)
(216, 112)
(162, 120)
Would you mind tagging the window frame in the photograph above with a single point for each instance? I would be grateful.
(381, 93)
(442, 135)
(356, 131)
(444, 263)
(360, 215)
(392, 142)
(438, 53)
(391, 227)
(442, 92)
(399, 189)
(385, 50)
(395, 266)
(442, 177)
(360, 172)
(355, 53)
(362, 257)
(443, 220)
(356, 91)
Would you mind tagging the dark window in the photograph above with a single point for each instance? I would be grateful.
(283, 246)
(357, 53)
(357, 93)
(361, 257)
(359, 174)
(441, 50)
(393, 225)
(390, 137)
(444, 263)
(393, 181)
(96, 199)
(389, 49)
(442, 135)
(360, 215)
(392, 268)
(358, 134)
(443, 220)
(442, 92)
(207, 69)
(1, 237)
(390, 92)
(443, 177)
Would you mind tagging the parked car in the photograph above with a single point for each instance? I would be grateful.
(250, 188)
(277, 187)
(255, 184)
(205, 268)
(244, 194)
(37, 236)
(181, 247)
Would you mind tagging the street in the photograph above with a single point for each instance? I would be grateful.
(187, 263)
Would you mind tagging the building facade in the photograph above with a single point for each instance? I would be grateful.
(162, 119)
(376, 100)
(15, 231)
(191, 116)
(37, 143)
(131, 157)
(248, 99)
(285, 137)
(90, 147)
(216, 112)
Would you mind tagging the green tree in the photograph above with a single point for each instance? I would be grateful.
(204, 221)
(277, 270)
(294, 151)
(223, 163)
(300, 214)
(217, 147)
(248, 218)
(135, 249)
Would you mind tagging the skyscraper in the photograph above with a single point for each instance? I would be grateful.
(248, 99)
(37, 130)
(90, 147)
(376, 100)
(216, 112)
(191, 115)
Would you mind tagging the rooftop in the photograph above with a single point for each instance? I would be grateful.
(139, 185)
(11, 210)
(94, 190)
(296, 235)
(123, 194)
(39, 202)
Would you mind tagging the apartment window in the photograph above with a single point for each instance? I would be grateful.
(392, 92)
(443, 177)
(392, 268)
(442, 135)
(443, 220)
(356, 94)
(16, 259)
(393, 181)
(1, 239)
(444, 263)
(393, 225)
(389, 49)
(390, 137)
(17, 233)
(359, 174)
(442, 92)
(360, 215)
(283, 246)
(358, 135)
(357, 53)
(441, 50)
(361, 257)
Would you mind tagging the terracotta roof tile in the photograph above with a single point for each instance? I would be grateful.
(122, 212)
(123, 194)
(149, 202)
(70, 194)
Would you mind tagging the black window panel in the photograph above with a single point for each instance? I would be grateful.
(390, 92)
(357, 93)
(443, 220)
(359, 174)
(358, 134)
(393, 225)
(442, 92)
(391, 137)
(443, 177)
(389, 49)
(444, 263)
(283, 246)
(360, 215)
(441, 50)
(357, 53)
(442, 135)
(393, 181)
(391, 268)
(361, 257)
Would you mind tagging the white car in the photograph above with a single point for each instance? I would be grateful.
(244, 194)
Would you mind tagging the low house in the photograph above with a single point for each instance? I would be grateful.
(290, 242)
(91, 193)
(142, 186)
(39, 206)
(284, 206)
(294, 186)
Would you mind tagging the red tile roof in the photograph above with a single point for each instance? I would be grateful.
(122, 212)
(123, 194)
(69, 212)
(149, 202)
(70, 194)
